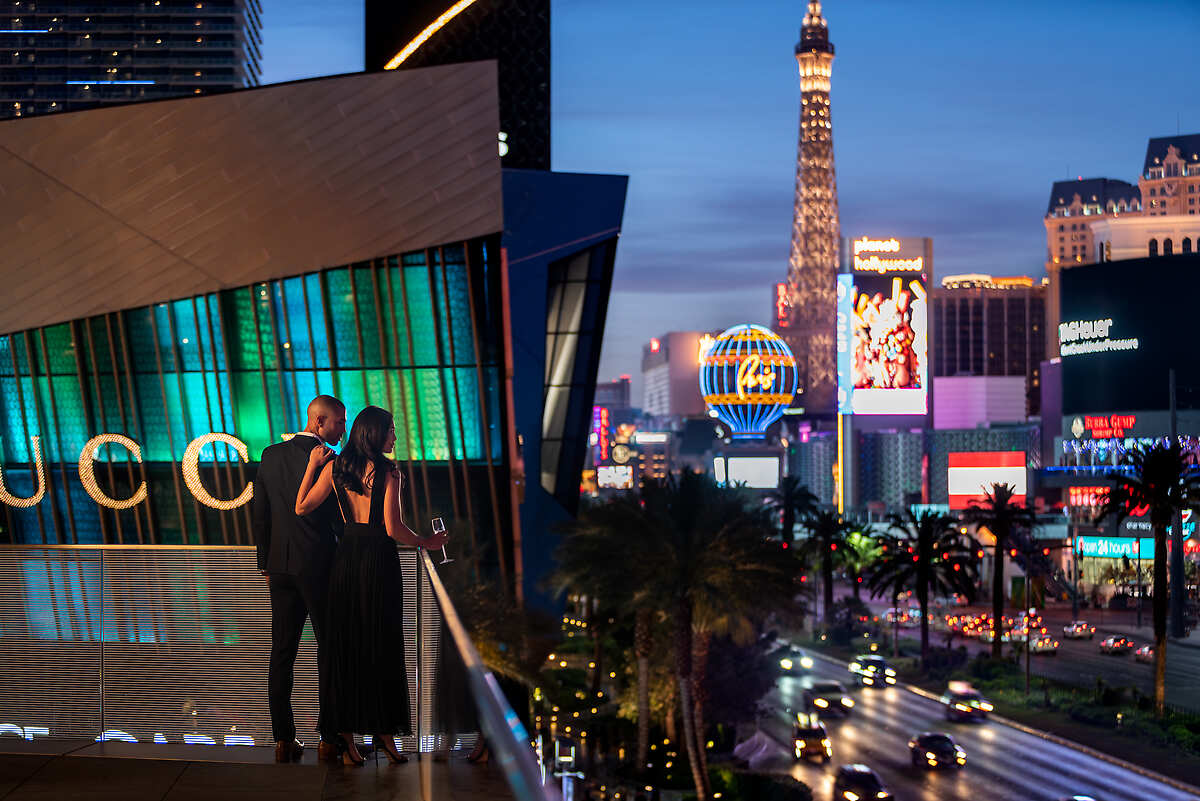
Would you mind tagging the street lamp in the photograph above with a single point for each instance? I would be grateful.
(1028, 626)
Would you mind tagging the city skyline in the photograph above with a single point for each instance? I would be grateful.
(699, 106)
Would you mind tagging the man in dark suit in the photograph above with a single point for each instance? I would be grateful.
(295, 554)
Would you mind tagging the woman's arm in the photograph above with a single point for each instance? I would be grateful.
(312, 493)
(392, 520)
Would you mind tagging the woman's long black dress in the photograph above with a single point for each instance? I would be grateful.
(368, 683)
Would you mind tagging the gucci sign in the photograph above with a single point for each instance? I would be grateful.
(87, 473)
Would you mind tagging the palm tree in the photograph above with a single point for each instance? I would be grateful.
(922, 552)
(1000, 515)
(827, 532)
(862, 551)
(1163, 479)
(714, 566)
(792, 500)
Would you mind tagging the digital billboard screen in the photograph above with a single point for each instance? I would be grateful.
(971, 474)
(1124, 325)
(883, 327)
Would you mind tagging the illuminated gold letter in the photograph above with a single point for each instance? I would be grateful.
(191, 471)
(24, 503)
(87, 470)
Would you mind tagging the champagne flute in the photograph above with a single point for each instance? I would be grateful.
(438, 528)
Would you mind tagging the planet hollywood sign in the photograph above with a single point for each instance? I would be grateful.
(87, 473)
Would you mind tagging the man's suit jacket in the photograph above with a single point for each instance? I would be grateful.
(288, 543)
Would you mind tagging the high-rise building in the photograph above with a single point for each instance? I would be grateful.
(671, 374)
(70, 56)
(516, 33)
(1073, 206)
(813, 263)
(614, 394)
(989, 326)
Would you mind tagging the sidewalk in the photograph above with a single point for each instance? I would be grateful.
(49, 770)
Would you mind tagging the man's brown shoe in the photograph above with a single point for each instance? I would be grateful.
(288, 751)
(327, 751)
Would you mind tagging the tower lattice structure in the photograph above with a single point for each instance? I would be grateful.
(813, 264)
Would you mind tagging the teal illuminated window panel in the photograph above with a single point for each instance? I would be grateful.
(470, 431)
(6, 355)
(187, 335)
(155, 430)
(341, 316)
(140, 338)
(460, 314)
(293, 322)
(250, 414)
(265, 340)
(316, 320)
(60, 349)
(110, 421)
(423, 333)
(71, 432)
(239, 316)
(433, 414)
(368, 319)
(395, 320)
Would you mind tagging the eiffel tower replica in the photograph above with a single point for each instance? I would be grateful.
(813, 263)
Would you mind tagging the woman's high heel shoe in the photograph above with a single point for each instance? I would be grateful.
(350, 755)
(387, 744)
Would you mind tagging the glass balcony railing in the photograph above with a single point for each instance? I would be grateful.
(170, 644)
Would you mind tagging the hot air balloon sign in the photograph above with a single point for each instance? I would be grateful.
(748, 377)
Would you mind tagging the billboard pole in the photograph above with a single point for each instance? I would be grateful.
(1178, 589)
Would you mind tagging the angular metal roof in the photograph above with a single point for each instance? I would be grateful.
(125, 206)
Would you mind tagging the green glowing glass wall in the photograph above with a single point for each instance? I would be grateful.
(414, 333)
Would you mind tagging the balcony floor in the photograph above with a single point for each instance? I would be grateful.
(43, 770)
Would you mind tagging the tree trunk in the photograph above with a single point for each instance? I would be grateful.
(683, 678)
(827, 580)
(922, 571)
(789, 523)
(597, 652)
(1160, 618)
(669, 720)
(856, 587)
(700, 648)
(998, 593)
(643, 643)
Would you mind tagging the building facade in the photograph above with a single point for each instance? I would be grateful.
(615, 394)
(516, 33)
(66, 57)
(671, 375)
(813, 260)
(990, 326)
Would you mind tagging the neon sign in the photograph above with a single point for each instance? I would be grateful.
(783, 306)
(747, 377)
(882, 264)
(87, 473)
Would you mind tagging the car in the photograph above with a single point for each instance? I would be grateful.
(1079, 630)
(965, 703)
(987, 635)
(1144, 654)
(904, 617)
(792, 660)
(824, 697)
(858, 783)
(935, 749)
(872, 670)
(1043, 644)
(810, 740)
(1116, 645)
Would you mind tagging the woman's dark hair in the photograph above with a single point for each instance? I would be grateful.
(365, 446)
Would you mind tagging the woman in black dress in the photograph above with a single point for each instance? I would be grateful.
(364, 658)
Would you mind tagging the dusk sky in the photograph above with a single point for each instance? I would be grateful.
(950, 120)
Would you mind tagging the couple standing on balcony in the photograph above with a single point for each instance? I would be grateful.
(327, 528)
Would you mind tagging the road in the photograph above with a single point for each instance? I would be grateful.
(1003, 764)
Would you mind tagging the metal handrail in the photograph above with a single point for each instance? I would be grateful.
(507, 737)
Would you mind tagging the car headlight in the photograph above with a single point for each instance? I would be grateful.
(930, 755)
(985, 706)
(890, 672)
(826, 743)
(847, 702)
(961, 707)
(960, 752)
(849, 795)
(786, 664)
(821, 702)
(881, 794)
(806, 662)
(855, 667)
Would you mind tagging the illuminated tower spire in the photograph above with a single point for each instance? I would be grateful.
(813, 264)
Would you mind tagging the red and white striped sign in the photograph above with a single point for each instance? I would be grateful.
(970, 475)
